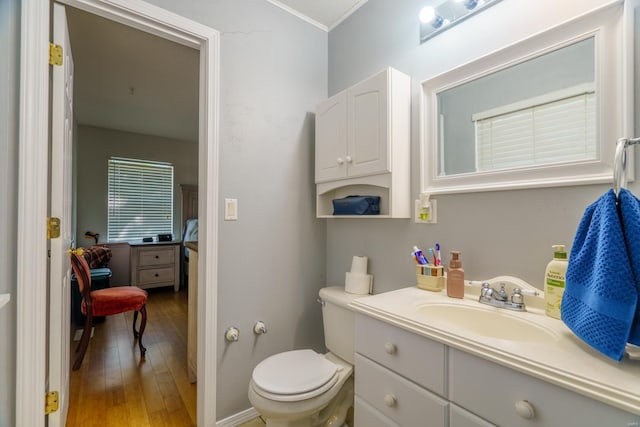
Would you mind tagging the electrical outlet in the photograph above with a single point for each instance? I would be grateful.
(432, 213)
(230, 209)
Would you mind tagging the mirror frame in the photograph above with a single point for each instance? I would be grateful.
(612, 27)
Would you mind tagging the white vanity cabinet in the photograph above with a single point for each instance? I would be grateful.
(405, 379)
(362, 144)
(399, 375)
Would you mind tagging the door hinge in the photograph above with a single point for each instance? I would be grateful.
(55, 54)
(53, 228)
(50, 402)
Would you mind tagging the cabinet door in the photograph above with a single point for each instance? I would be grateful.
(368, 142)
(331, 138)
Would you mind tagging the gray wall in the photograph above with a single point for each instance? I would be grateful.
(272, 260)
(94, 148)
(499, 233)
(9, 78)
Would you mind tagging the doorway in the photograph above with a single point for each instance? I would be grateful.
(34, 122)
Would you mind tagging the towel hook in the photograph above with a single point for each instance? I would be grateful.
(620, 163)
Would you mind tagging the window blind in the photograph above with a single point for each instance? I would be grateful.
(551, 130)
(140, 199)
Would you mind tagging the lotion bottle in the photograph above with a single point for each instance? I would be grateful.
(554, 279)
(455, 277)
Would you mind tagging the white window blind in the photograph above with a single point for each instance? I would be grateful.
(554, 128)
(140, 199)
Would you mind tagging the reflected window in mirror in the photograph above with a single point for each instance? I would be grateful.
(537, 112)
(545, 111)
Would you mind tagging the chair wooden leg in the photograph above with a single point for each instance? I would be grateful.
(81, 349)
(135, 320)
(143, 324)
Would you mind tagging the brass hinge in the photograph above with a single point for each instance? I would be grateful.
(55, 54)
(53, 228)
(50, 402)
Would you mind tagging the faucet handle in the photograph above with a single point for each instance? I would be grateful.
(516, 296)
(487, 291)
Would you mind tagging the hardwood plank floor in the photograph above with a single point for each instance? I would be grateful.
(113, 387)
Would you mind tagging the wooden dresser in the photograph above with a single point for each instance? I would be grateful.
(155, 264)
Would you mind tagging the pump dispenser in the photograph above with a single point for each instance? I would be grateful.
(554, 280)
(455, 277)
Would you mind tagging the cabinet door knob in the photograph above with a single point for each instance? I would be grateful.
(525, 409)
(349, 159)
(390, 400)
(340, 160)
(390, 348)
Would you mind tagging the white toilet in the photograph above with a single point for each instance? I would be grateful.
(302, 388)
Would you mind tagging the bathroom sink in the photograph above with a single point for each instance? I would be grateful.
(490, 323)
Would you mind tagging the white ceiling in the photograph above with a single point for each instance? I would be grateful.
(128, 80)
(324, 14)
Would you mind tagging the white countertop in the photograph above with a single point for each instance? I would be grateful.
(565, 361)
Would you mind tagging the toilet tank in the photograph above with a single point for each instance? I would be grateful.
(339, 322)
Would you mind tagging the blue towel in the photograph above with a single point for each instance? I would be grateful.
(630, 215)
(601, 295)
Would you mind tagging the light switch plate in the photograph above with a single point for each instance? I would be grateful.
(230, 209)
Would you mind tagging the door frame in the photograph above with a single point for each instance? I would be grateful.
(33, 166)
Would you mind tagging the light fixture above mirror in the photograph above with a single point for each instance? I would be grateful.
(434, 20)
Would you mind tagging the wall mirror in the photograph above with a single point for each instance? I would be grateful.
(545, 111)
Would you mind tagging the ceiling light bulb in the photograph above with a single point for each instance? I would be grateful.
(470, 4)
(427, 14)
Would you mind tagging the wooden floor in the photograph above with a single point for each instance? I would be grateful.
(113, 387)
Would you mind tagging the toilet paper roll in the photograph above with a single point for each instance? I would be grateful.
(359, 265)
(359, 284)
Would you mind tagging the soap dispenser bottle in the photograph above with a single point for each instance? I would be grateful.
(554, 280)
(455, 277)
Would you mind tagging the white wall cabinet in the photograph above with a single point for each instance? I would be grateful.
(362, 144)
(405, 379)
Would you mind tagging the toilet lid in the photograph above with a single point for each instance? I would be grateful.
(294, 372)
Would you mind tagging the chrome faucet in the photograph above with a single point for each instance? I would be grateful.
(500, 298)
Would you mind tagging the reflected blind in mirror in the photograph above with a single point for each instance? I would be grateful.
(140, 199)
(553, 128)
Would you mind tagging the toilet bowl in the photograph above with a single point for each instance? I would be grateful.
(303, 388)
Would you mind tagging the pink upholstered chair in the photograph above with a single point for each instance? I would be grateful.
(105, 302)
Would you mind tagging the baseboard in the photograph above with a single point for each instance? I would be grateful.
(239, 418)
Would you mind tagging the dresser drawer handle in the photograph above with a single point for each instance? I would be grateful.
(157, 256)
(157, 275)
(390, 348)
(525, 409)
(390, 400)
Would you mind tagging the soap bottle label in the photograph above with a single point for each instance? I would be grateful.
(553, 293)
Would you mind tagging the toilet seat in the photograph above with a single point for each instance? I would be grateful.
(294, 375)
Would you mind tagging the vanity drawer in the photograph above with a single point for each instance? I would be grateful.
(367, 416)
(156, 256)
(401, 400)
(410, 355)
(492, 391)
(155, 275)
(458, 417)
